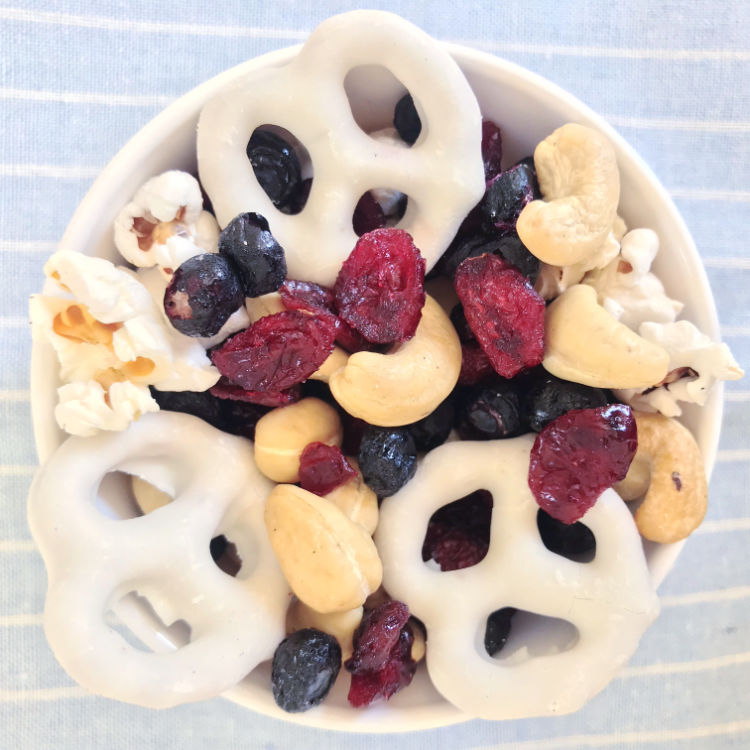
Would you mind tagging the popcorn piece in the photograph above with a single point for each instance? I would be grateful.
(164, 224)
(695, 364)
(84, 408)
(628, 290)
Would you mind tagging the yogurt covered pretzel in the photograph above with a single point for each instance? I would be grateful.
(610, 600)
(94, 560)
(442, 173)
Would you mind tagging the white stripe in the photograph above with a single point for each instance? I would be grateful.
(739, 196)
(21, 621)
(722, 525)
(82, 97)
(42, 694)
(737, 395)
(17, 470)
(717, 262)
(17, 545)
(657, 123)
(149, 27)
(735, 330)
(55, 171)
(706, 597)
(685, 667)
(728, 456)
(24, 246)
(14, 395)
(14, 322)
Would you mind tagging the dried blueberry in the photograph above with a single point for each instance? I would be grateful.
(276, 167)
(434, 429)
(507, 194)
(469, 245)
(498, 629)
(512, 250)
(203, 292)
(406, 120)
(255, 254)
(387, 458)
(548, 397)
(492, 149)
(574, 541)
(490, 412)
(305, 666)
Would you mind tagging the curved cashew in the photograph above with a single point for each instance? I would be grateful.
(335, 361)
(282, 434)
(408, 383)
(341, 625)
(330, 562)
(357, 501)
(676, 491)
(585, 344)
(578, 177)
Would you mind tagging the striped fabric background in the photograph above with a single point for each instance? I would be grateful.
(78, 78)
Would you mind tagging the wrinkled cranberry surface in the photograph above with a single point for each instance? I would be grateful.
(228, 390)
(578, 456)
(323, 468)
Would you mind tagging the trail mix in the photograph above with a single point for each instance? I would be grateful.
(413, 380)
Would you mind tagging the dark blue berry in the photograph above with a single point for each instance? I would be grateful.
(387, 458)
(574, 541)
(513, 251)
(548, 397)
(304, 667)
(224, 554)
(507, 194)
(490, 411)
(478, 242)
(203, 292)
(276, 167)
(434, 429)
(406, 120)
(498, 629)
(254, 252)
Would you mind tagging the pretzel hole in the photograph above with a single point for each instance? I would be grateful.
(515, 636)
(224, 554)
(115, 497)
(575, 542)
(377, 208)
(373, 92)
(458, 534)
(282, 166)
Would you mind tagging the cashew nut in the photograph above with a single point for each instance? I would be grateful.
(358, 502)
(419, 645)
(408, 383)
(676, 493)
(148, 497)
(585, 344)
(282, 434)
(341, 625)
(330, 562)
(266, 304)
(335, 361)
(577, 171)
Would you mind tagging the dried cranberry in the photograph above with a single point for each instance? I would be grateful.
(578, 456)
(459, 323)
(492, 149)
(304, 295)
(504, 312)
(277, 351)
(323, 467)
(380, 287)
(475, 364)
(368, 215)
(228, 390)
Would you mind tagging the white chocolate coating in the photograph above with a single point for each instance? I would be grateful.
(610, 600)
(94, 560)
(442, 172)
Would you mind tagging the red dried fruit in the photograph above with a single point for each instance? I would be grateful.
(368, 215)
(475, 364)
(492, 149)
(304, 295)
(504, 312)
(458, 534)
(579, 455)
(380, 287)
(323, 467)
(227, 390)
(381, 662)
(351, 339)
(277, 351)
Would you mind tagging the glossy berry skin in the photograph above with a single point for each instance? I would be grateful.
(258, 259)
(513, 251)
(434, 429)
(507, 194)
(304, 667)
(406, 120)
(490, 412)
(574, 541)
(387, 459)
(201, 295)
(548, 397)
(498, 629)
(492, 149)
(276, 167)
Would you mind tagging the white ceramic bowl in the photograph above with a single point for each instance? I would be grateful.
(528, 108)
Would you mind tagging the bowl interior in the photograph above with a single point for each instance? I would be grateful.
(527, 108)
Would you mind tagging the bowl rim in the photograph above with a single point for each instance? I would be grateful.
(100, 195)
